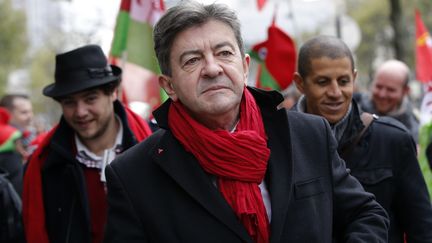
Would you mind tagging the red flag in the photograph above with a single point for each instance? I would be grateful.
(261, 4)
(423, 51)
(278, 59)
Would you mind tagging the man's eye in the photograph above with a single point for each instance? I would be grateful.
(225, 53)
(344, 81)
(191, 61)
(321, 81)
(91, 98)
(66, 102)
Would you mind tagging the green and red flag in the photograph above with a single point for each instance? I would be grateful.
(132, 50)
(276, 59)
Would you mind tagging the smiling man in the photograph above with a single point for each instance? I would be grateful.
(64, 186)
(379, 151)
(389, 95)
(225, 166)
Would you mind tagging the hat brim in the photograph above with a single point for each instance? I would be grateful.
(53, 90)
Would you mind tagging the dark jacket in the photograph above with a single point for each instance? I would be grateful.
(158, 192)
(385, 163)
(11, 163)
(64, 187)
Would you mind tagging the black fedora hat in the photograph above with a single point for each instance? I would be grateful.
(80, 69)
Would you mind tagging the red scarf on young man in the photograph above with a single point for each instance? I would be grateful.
(238, 160)
(32, 199)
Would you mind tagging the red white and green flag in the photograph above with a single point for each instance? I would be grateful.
(276, 59)
(132, 50)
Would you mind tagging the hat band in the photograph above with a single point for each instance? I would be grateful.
(84, 74)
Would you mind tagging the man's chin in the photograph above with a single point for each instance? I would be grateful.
(333, 119)
(85, 135)
(383, 111)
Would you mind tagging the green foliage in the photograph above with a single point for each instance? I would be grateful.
(13, 40)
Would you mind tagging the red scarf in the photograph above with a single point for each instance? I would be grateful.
(33, 207)
(238, 159)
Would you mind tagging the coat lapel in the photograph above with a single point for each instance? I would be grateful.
(279, 172)
(186, 171)
(64, 157)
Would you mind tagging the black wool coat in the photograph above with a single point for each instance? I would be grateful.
(157, 192)
(385, 163)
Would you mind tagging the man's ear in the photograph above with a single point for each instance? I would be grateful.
(406, 89)
(246, 63)
(298, 80)
(355, 75)
(166, 83)
(116, 93)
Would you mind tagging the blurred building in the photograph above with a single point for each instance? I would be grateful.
(42, 17)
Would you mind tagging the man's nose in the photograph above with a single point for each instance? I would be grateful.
(382, 92)
(81, 109)
(212, 67)
(334, 89)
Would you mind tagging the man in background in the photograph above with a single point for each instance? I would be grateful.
(380, 152)
(21, 111)
(10, 159)
(389, 95)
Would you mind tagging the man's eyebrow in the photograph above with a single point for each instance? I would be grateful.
(198, 52)
(344, 76)
(223, 44)
(190, 52)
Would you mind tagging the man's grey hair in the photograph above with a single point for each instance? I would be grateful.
(185, 15)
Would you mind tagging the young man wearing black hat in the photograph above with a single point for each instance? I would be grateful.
(64, 197)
